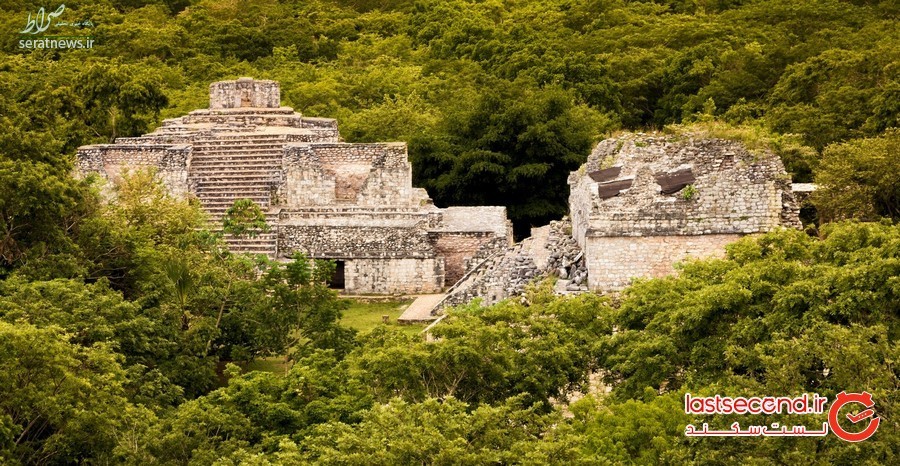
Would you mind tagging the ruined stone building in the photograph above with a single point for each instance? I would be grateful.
(643, 203)
(353, 203)
(638, 206)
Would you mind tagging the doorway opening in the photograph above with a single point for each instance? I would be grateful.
(337, 279)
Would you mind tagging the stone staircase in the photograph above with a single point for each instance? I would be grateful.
(228, 168)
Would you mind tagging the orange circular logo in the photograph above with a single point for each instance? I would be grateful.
(865, 399)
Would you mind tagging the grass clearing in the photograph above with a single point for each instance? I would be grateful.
(364, 316)
(274, 364)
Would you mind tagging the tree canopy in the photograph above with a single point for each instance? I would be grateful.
(125, 322)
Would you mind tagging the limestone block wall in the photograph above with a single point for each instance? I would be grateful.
(613, 262)
(476, 218)
(582, 199)
(382, 276)
(113, 160)
(306, 186)
(335, 242)
(634, 216)
(244, 92)
(325, 129)
(353, 216)
(247, 120)
(321, 174)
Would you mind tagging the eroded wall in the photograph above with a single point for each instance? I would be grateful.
(458, 249)
(341, 173)
(632, 220)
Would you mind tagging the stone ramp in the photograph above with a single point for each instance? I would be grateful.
(550, 250)
(536, 246)
(420, 309)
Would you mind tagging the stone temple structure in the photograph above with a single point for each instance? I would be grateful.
(353, 203)
(643, 203)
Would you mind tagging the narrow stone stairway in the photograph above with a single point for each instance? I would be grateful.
(229, 168)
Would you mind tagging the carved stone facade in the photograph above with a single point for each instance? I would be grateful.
(245, 92)
(643, 203)
(353, 203)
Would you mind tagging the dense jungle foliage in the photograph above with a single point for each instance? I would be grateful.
(120, 320)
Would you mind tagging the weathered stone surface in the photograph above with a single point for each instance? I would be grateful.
(245, 92)
(642, 231)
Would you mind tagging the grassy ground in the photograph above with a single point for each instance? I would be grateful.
(364, 316)
(275, 364)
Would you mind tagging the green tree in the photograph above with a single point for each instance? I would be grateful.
(514, 147)
(860, 179)
(486, 355)
(62, 402)
(244, 219)
(119, 100)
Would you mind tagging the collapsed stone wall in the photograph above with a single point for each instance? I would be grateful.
(506, 273)
(566, 259)
(506, 270)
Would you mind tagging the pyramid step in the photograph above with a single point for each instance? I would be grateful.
(215, 189)
(241, 139)
(226, 202)
(207, 154)
(232, 163)
(229, 148)
(229, 200)
(232, 191)
(236, 176)
(235, 185)
(235, 171)
(221, 208)
(238, 158)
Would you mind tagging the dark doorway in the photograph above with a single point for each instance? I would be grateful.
(337, 280)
